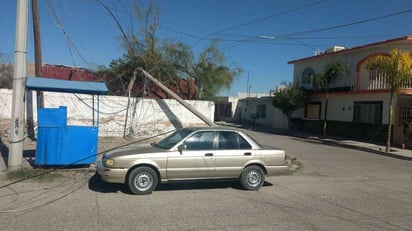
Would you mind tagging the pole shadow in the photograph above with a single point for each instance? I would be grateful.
(4, 150)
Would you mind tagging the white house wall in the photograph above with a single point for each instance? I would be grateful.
(145, 117)
(340, 106)
(274, 117)
(279, 120)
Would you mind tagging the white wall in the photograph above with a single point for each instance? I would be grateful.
(274, 117)
(145, 117)
(340, 106)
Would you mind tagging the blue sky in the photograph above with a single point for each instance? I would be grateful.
(258, 36)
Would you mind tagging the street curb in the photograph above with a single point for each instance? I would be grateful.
(357, 147)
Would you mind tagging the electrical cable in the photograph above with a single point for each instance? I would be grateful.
(71, 46)
(289, 36)
(346, 24)
(259, 20)
(72, 187)
(116, 21)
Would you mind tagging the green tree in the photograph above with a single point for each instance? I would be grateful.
(332, 72)
(289, 100)
(142, 50)
(6, 75)
(208, 70)
(211, 73)
(6, 72)
(397, 69)
(169, 61)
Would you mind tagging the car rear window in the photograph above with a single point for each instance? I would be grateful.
(232, 140)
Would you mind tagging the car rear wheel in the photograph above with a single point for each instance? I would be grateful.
(252, 178)
(142, 180)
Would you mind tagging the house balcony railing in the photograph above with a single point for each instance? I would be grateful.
(364, 82)
(376, 81)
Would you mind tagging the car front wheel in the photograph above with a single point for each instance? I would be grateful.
(142, 180)
(252, 178)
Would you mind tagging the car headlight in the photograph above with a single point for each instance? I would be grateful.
(107, 162)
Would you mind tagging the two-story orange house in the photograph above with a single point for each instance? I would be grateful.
(359, 102)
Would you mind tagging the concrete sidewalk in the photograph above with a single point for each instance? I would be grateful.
(395, 152)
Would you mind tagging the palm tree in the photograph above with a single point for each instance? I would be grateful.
(397, 69)
(323, 81)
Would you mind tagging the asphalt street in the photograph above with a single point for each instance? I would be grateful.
(338, 188)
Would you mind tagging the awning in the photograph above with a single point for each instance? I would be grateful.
(56, 85)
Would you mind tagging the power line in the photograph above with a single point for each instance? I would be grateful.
(117, 22)
(289, 35)
(71, 46)
(259, 20)
(346, 24)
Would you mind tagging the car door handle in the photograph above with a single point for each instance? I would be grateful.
(209, 154)
(247, 154)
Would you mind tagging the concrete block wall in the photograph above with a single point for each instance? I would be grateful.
(117, 115)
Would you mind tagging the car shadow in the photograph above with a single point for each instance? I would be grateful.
(203, 184)
(98, 185)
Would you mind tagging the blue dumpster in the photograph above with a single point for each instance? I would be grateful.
(57, 142)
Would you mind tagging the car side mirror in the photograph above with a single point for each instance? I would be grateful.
(181, 148)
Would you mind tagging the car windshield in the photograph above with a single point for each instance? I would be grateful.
(173, 138)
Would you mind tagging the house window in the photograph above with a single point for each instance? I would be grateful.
(306, 74)
(368, 112)
(406, 114)
(261, 111)
(312, 110)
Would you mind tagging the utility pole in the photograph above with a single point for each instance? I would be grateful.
(248, 86)
(37, 48)
(177, 98)
(16, 138)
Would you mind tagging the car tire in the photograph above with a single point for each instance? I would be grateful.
(142, 180)
(252, 178)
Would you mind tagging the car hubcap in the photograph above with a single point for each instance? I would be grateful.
(143, 181)
(253, 178)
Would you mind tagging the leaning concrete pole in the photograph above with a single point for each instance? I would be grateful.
(180, 100)
(19, 79)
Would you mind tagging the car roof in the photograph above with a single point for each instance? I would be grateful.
(213, 128)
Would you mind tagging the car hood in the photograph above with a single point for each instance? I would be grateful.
(134, 150)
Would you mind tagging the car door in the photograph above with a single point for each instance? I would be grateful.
(196, 160)
(233, 154)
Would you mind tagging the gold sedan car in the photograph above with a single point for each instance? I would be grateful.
(191, 154)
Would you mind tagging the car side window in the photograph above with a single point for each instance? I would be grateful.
(232, 140)
(243, 144)
(201, 141)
